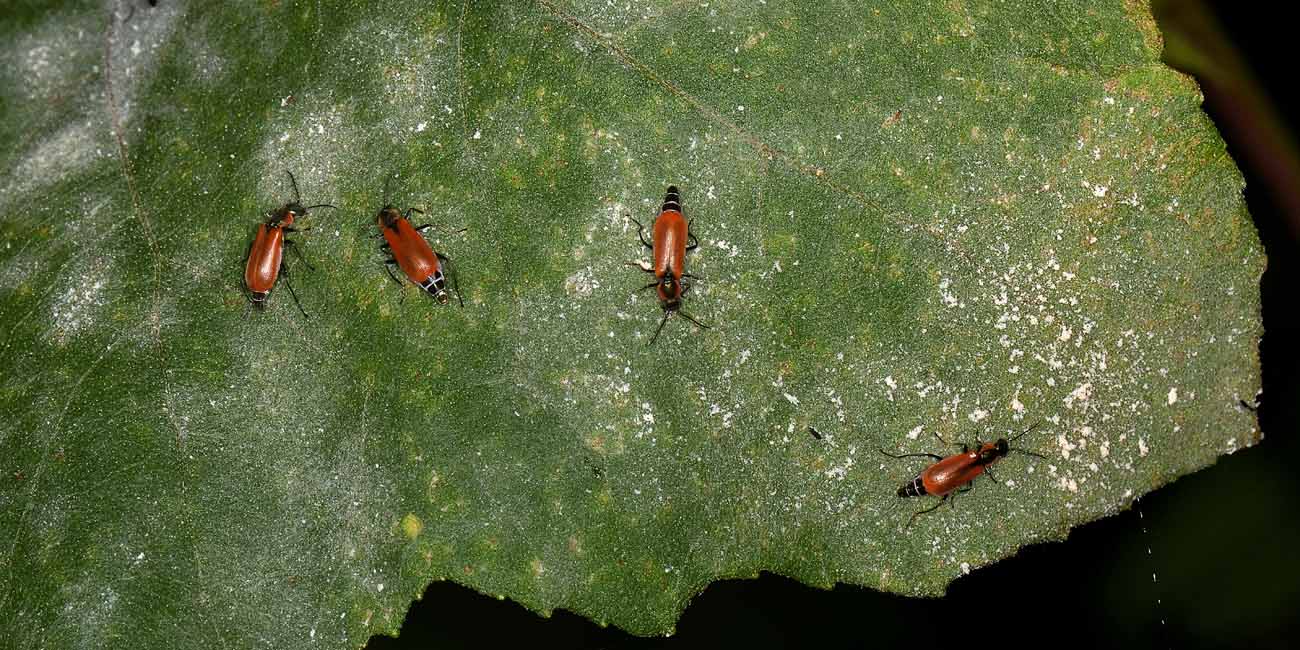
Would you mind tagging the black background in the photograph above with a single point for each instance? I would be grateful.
(1220, 541)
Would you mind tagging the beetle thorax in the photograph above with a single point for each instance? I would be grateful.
(286, 215)
(670, 292)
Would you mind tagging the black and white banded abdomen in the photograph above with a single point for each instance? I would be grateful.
(435, 283)
(672, 200)
(913, 488)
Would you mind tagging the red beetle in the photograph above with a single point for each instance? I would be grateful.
(408, 250)
(954, 474)
(672, 239)
(265, 260)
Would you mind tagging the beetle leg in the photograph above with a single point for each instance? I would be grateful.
(388, 266)
(248, 296)
(988, 471)
(424, 227)
(686, 286)
(284, 268)
(243, 280)
(297, 251)
(451, 273)
(640, 233)
(690, 236)
(930, 509)
(946, 443)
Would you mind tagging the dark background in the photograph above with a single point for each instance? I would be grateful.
(1219, 542)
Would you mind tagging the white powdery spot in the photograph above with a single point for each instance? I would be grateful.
(318, 168)
(1098, 190)
(977, 415)
(581, 284)
(134, 51)
(838, 473)
(72, 311)
(53, 159)
(791, 398)
(912, 435)
(965, 568)
(732, 249)
(947, 297)
(1016, 405)
(49, 58)
(1066, 446)
(1142, 447)
(1173, 396)
(417, 68)
(1065, 334)
(1068, 484)
(1080, 394)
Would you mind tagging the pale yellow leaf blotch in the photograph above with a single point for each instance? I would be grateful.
(411, 525)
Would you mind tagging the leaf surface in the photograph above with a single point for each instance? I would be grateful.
(915, 219)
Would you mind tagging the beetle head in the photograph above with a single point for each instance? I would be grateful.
(993, 451)
(388, 216)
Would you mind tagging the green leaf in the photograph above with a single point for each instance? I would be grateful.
(915, 218)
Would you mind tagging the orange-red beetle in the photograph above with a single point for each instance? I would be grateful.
(954, 474)
(265, 260)
(672, 238)
(409, 251)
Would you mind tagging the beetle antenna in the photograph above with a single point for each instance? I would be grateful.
(297, 198)
(1027, 453)
(660, 328)
(692, 319)
(1022, 433)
